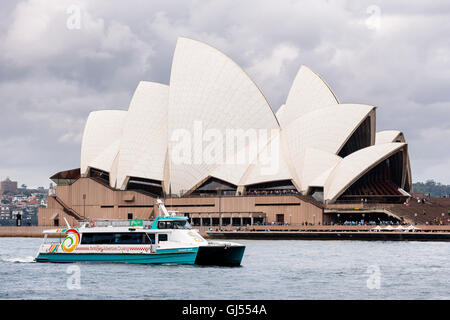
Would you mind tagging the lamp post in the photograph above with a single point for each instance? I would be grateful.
(84, 206)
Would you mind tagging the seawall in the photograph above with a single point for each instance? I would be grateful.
(333, 235)
(25, 231)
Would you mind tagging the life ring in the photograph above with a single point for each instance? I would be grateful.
(92, 223)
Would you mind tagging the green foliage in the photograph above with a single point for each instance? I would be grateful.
(435, 189)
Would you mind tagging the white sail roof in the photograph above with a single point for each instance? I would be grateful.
(144, 140)
(355, 165)
(271, 164)
(308, 93)
(327, 130)
(281, 112)
(210, 121)
(101, 139)
(208, 91)
(388, 136)
(315, 163)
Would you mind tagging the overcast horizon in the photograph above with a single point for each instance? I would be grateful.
(56, 68)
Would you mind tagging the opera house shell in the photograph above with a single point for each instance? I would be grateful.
(313, 144)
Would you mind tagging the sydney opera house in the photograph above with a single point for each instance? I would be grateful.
(210, 144)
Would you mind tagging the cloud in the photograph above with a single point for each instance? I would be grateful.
(395, 57)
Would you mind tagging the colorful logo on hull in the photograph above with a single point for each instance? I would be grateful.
(71, 241)
(195, 237)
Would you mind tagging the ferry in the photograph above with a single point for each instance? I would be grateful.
(166, 239)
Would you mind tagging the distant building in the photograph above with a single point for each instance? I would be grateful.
(5, 212)
(8, 186)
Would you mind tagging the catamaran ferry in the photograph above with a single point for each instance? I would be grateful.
(166, 239)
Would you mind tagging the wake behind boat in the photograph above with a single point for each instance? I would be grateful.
(167, 239)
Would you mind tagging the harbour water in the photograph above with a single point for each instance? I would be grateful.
(281, 269)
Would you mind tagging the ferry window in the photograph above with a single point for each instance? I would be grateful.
(161, 225)
(112, 238)
(162, 237)
(148, 238)
(102, 238)
(177, 224)
(165, 225)
(128, 238)
(96, 238)
(130, 216)
(86, 238)
(181, 224)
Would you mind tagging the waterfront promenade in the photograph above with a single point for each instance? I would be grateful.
(426, 232)
(24, 231)
(338, 232)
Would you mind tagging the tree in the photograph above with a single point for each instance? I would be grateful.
(435, 189)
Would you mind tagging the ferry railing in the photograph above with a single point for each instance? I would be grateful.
(114, 223)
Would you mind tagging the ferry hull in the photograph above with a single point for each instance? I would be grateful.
(159, 258)
(206, 255)
(220, 255)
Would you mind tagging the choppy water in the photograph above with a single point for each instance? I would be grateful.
(270, 270)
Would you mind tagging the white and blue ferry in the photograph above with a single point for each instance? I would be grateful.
(167, 239)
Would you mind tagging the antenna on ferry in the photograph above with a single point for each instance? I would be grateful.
(162, 207)
(68, 225)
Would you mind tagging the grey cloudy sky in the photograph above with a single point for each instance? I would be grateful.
(394, 55)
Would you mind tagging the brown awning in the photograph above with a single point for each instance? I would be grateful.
(66, 177)
(68, 174)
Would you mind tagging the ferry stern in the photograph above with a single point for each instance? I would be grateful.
(220, 254)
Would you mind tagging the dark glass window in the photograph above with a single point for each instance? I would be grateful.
(162, 225)
(162, 237)
(165, 225)
(181, 224)
(127, 238)
(149, 238)
(96, 238)
(116, 238)
(86, 238)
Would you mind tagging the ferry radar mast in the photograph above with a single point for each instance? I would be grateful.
(68, 225)
(162, 208)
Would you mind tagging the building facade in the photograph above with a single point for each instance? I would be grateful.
(91, 199)
(211, 145)
(8, 186)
